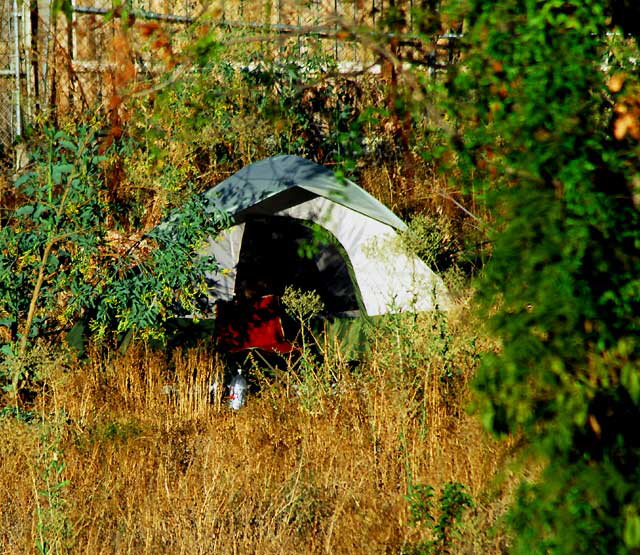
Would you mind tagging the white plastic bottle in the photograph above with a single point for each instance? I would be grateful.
(237, 391)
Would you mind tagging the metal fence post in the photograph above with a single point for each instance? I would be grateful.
(16, 61)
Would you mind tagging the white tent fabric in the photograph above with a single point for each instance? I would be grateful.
(389, 280)
(387, 277)
(226, 251)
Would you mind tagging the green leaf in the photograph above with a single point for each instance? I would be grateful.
(40, 210)
(24, 178)
(632, 529)
(52, 263)
(69, 146)
(25, 210)
(59, 170)
(630, 379)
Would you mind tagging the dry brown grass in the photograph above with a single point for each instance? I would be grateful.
(146, 472)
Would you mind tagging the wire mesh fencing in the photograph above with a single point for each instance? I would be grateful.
(9, 72)
(68, 66)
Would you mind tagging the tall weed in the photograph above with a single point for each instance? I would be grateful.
(149, 469)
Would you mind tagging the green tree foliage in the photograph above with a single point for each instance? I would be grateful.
(59, 264)
(50, 239)
(551, 130)
(238, 107)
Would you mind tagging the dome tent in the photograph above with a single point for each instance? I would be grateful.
(296, 223)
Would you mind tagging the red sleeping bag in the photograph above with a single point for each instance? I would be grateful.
(253, 324)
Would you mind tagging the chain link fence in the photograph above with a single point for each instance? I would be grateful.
(10, 83)
(64, 68)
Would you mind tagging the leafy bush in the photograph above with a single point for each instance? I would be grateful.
(51, 241)
(558, 152)
(60, 262)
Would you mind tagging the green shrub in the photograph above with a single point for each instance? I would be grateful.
(543, 133)
(58, 264)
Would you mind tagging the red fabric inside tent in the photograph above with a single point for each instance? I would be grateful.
(254, 324)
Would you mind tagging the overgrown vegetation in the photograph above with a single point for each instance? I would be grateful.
(517, 165)
(60, 262)
(551, 132)
(112, 459)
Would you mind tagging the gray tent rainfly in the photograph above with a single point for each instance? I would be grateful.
(278, 205)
